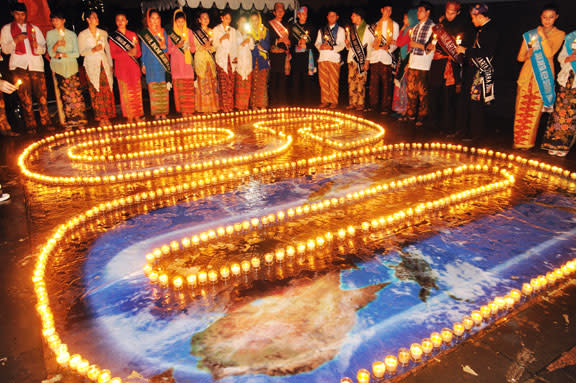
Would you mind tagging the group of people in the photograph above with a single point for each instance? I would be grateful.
(421, 70)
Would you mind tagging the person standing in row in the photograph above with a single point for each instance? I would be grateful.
(561, 132)
(25, 44)
(5, 129)
(279, 57)
(63, 49)
(125, 51)
(243, 70)
(385, 33)
(260, 62)
(359, 42)
(536, 81)
(331, 40)
(225, 42)
(93, 45)
(400, 97)
(207, 95)
(181, 47)
(156, 64)
(419, 66)
(302, 65)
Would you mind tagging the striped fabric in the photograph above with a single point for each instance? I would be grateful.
(242, 92)
(329, 76)
(159, 101)
(259, 91)
(207, 95)
(528, 112)
(226, 87)
(184, 95)
(103, 102)
(131, 100)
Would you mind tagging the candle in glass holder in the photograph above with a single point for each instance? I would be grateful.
(468, 323)
(458, 329)
(378, 369)
(446, 334)
(477, 317)
(436, 339)
(363, 376)
(527, 289)
(458, 40)
(427, 346)
(346, 380)
(391, 363)
(61, 32)
(416, 351)
(404, 356)
(485, 310)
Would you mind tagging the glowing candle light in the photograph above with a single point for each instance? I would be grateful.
(459, 40)
(404, 356)
(346, 380)
(416, 351)
(486, 312)
(446, 334)
(378, 369)
(468, 323)
(427, 346)
(363, 376)
(436, 339)
(458, 329)
(391, 363)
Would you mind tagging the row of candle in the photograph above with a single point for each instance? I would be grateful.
(82, 147)
(154, 267)
(448, 337)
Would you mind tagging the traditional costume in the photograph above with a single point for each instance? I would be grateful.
(279, 64)
(156, 64)
(128, 72)
(329, 62)
(561, 131)
(27, 65)
(382, 63)
(64, 65)
(243, 70)
(360, 40)
(260, 66)
(98, 66)
(303, 63)
(182, 68)
(226, 57)
(535, 83)
(207, 94)
(417, 72)
(400, 97)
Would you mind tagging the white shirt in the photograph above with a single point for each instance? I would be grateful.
(422, 62)
(27, 61)
(93, 61)
(225, 48)
(381, 55)
(244, 66)
(565, 68)
(334, 54)
(367, 40)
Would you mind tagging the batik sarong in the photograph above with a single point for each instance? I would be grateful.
(242, 91)
(159, 98)
(329, 76)
(4, 125)
(33, 85)
(381, 79)
(73, 100)
(184, 95)
(356, 85)
(103, 102)
(207, 95)
(226, 87)
(259, 91)
(417, 92)
(528, 112)
(561, 131)
(131, 99)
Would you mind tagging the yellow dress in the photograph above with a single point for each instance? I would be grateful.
(529, 103)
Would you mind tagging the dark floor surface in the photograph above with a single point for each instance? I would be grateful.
(535, 344)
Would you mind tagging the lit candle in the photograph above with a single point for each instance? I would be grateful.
(458, 40)
(363, 376)
(526, 289)
(326, 38)
(416, 351)
(346, 380)
(404, 356)
(436, 339)
(391, 363)
(485, 310)
(247, 28)
(458, 329)
(446, 334)
(378, 369)
(97, 36)
(348, 33)
(61, 33)
(434, 39)
(18, 83)
(468, 323)
(427, 346)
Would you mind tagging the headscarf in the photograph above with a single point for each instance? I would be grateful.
(149, 25)
(183, 33)
(259, 34)
(412, 21)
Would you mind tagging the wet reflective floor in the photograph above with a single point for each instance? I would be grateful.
(35, 210)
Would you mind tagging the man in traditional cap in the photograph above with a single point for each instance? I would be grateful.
(25, 44)
(302, 34)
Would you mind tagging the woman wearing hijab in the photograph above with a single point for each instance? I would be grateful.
(207, 95)
(260, 62)
(181, 62)
(156, 63)
(93, 45)
(125, 50)
(243, 70)
(400, 98)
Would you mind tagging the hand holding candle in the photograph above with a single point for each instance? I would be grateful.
(458, 40)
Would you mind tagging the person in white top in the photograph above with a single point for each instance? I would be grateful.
(331, 40)
(359, 44)
(93, 45)
(243, 78)
(25, 44)
(561, 131)
(385, 33)
(225, 39)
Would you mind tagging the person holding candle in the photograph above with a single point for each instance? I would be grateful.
(156, 64)
(445, 73)
(5, 129)
(419, 63)
(25, 44)
(260, 62)
(181, 47)
(207, 95)
(93, 45)
(243, 69)
(303, 63)
(535, 83)
(384, 32)
(561, 131)
(359, 43)
(478, 79)
(226, 45)
(125, 51)
(400, 97)
(279, 57)
(63, 50)
(330, 41)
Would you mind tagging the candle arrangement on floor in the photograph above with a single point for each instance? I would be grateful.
(112, 144)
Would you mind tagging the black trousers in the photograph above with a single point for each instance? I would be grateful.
(471, 119)
(444, 106)
(303, 92)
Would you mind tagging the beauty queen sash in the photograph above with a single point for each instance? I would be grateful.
(300, 33)
(123, 42)
(541, 68)
(358, 48)
(448, 43)
(569, 43)
(328, 37)
(152, 43)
